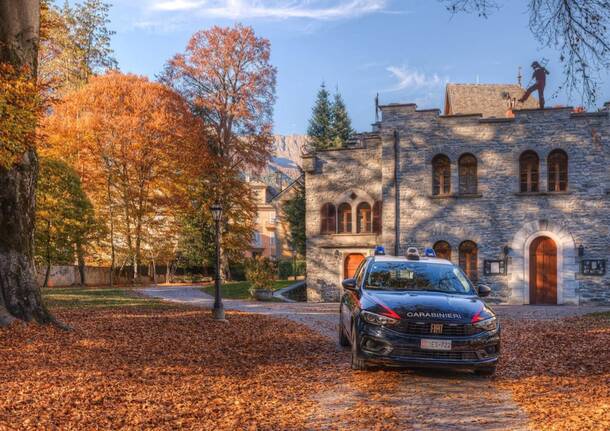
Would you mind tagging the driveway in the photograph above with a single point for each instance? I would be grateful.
(428, 400)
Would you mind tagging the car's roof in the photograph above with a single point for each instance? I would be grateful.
(422, 259)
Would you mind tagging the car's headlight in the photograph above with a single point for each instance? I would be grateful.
(377, 319)
(487, 325)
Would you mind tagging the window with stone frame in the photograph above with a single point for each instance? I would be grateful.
(467, 170)
(468, 259)
(441, 175)
(364, 219)
(529, 172)
(345, 218)
(557, 166)
(442, 250)
(328, 219)
(377, 217)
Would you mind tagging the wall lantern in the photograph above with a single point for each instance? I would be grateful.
(506, 250)
(581, 250)
(337, 254)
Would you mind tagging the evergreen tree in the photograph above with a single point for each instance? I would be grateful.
(341, 125)
(320, 124)
(294, 211)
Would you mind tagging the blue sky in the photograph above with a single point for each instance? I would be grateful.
(407, 50)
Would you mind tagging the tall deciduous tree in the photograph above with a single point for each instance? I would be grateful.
(64, 216)
(19, 33)
(226, 76)
(75, 44)
(578, 29)
(320, 124)
(123, 134)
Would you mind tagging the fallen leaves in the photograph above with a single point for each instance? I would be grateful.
(174, 367)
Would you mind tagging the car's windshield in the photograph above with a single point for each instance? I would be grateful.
(419, 276)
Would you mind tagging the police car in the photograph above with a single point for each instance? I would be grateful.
(417, 311)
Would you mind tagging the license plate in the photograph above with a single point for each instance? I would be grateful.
(435, 344)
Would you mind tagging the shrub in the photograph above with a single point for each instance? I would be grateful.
(260, 272)
(286, 270)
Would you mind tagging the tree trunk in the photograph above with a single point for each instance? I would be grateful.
(20, 294)
(167, 272)
(80, 256)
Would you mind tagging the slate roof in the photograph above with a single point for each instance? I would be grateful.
(485, 99)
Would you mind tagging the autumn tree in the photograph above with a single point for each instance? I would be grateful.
(75, 44)
(19, 32)
(228, 81)
(123, 134)
(65, 221)
(577, 29)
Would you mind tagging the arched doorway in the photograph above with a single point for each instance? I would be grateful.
(543, 271)
(351, 264)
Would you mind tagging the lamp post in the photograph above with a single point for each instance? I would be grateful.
(218, 311)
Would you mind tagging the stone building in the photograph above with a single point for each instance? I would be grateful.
(520, 201)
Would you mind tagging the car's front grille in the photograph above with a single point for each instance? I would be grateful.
(425, 328)
(430, 354)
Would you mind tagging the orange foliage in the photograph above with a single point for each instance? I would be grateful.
(126, 136)
(19, 109)
(226, 75)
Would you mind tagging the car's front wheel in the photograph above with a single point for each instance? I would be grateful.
(343, 338)
(357, 363)
(485, 372)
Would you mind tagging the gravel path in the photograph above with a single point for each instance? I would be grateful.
(428, 399)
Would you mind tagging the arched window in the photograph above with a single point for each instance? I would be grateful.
(557, 165)
(442, 250)
(441, 175)
(328, 219)
(467, 168)
(364, 220)
(377, 217)
(468, 259)
(528, 171)
(345, 218)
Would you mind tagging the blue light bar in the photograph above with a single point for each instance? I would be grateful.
(429, 252)
(379, 251)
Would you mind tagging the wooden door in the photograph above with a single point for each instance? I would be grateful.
(351, 264)
(543, 271)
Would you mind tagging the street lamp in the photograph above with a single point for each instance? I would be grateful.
(218, 311)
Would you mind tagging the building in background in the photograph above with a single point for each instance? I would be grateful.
(272, 188)
(518, 197)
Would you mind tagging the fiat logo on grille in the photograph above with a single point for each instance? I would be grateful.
(436, 328)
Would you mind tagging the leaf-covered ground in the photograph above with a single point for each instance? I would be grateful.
(168, 367)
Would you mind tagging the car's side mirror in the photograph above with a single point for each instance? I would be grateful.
(349, 284)
(484, 290)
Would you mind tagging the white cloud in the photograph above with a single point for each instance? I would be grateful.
(412, 79)
(278, 9)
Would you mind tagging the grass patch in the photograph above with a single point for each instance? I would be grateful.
(240, 289)
(94, 297)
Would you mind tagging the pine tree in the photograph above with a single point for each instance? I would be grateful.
(341, 125)
(320, 124)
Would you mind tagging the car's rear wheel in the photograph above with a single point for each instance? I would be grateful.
(485, 372)
(343, 338)
(357, 363)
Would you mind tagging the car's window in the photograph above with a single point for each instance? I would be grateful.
(418, 276)
(360, 273)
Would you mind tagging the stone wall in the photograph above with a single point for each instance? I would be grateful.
(337, 176)
(68, 275)
(496, 217)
